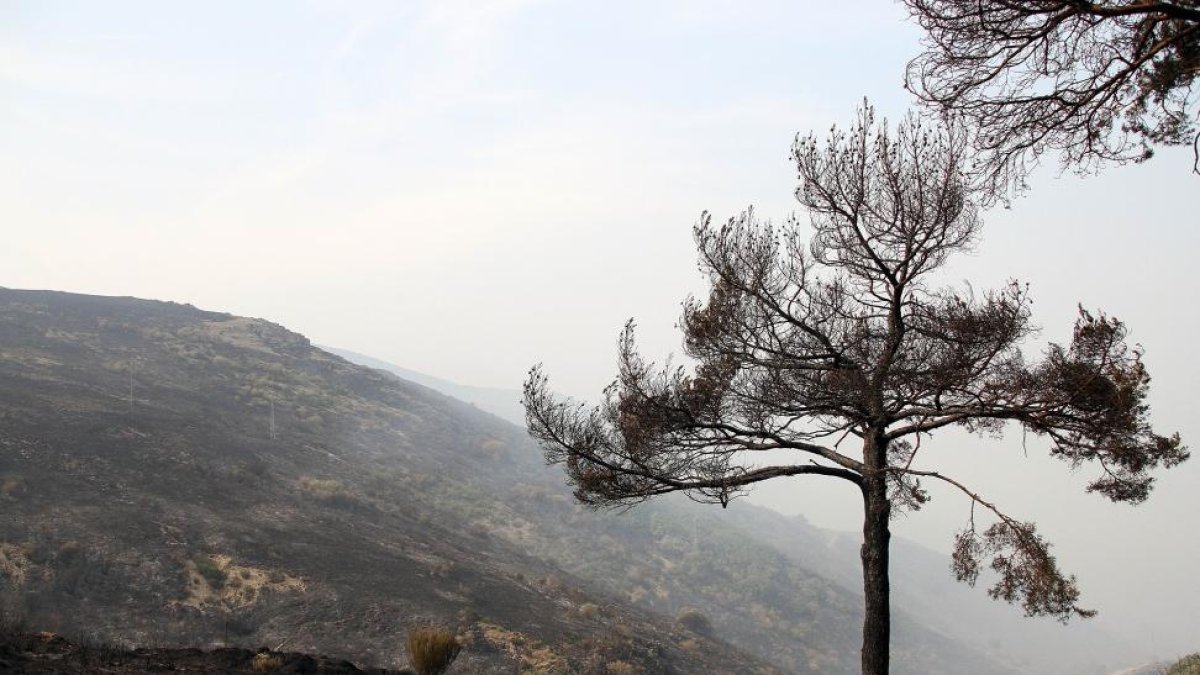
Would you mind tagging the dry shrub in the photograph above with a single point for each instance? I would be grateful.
(264, 661)
(10, 488)
(695, 621)
(322, 489)
(328, 491)
(623, 668)
(690, 645)
(431, 649)
(442, 569)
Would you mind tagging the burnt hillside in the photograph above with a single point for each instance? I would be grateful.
(171, 476)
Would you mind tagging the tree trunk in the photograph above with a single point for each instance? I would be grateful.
(876, 537)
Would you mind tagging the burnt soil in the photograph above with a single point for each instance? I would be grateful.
(50, 654)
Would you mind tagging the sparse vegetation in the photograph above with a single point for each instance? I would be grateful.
(329, 491)
(442, 569)
(622, 668)
(323, 489)
(431, 649)
(1188, 665)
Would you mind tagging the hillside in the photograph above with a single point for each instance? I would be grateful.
(503, 403)
(172, 476)
(924, 591)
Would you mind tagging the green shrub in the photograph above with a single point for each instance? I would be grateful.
(211, 571)
(432, 649)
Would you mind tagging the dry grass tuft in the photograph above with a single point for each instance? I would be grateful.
(266, 661)
(432, 649)
(622, 668)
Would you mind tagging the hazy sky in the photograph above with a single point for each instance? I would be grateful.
(468, 187)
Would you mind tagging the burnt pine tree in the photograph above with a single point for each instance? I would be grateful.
(845, 352)
(1098, 81)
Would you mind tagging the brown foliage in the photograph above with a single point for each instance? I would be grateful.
(1027, 573)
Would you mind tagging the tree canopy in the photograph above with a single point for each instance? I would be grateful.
(805, 342)
(1098, 81)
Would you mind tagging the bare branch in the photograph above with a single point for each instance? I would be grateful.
(1027, 572)
(1097, 81)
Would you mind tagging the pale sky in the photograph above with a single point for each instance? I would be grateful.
(469, 187)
